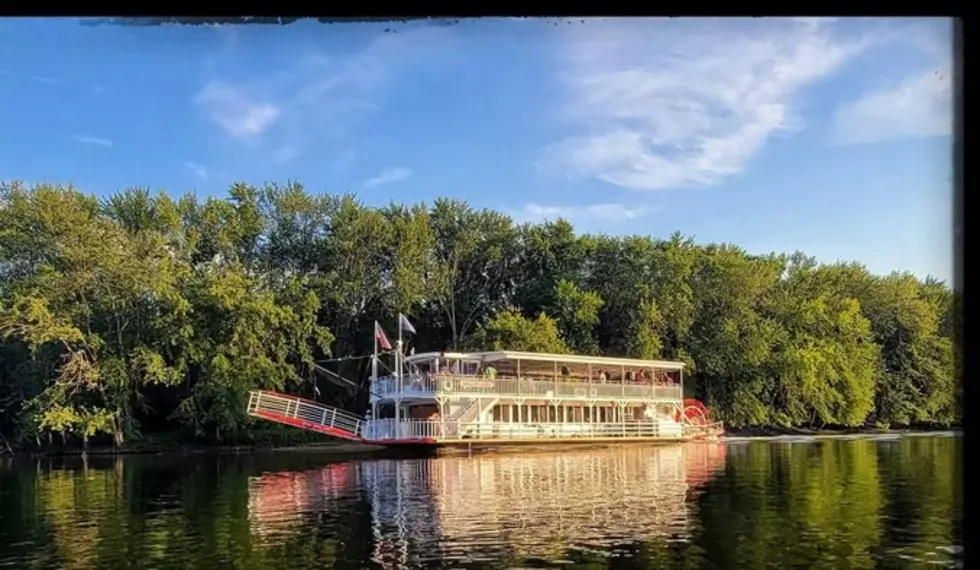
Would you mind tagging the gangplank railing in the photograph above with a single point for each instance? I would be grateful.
(304, 413)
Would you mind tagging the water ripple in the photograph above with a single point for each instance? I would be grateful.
(857, 502)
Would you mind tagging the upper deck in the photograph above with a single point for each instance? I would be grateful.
(536, 376)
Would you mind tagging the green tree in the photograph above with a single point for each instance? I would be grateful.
(144, 311)
(577, 316)
(510, 330)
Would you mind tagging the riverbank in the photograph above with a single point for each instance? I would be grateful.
(296, 442)
(271, 439)
(327, 447)
(802, 432)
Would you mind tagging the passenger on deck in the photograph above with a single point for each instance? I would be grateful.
(490, 372)
(602, 376)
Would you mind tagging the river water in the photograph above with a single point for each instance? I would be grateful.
(866, 502)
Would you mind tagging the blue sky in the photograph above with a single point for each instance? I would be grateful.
(827, 136)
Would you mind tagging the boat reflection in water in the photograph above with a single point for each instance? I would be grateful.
(529, 505)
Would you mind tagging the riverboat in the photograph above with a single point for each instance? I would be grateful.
(507, 397)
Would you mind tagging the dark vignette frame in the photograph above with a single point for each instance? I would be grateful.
(149, 16)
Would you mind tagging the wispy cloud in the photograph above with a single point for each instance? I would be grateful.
(534, 212)
(684, 103)
(199, 170)
(47, 80)
(285, 153)
(314, 97)
(236, 112)
(920, 105)
(89, 139)
(388, 176)
(344, 160)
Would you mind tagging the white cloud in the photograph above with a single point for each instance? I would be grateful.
(534, 212)
(199, 170)
(313, 98)
(46, 80)
(89, 139)
(685, 103)
(388, 176)
(241, 116)
(920, 105)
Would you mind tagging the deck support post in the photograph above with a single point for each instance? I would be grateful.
(398, 418)
(653, 384)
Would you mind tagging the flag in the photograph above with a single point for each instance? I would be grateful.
(380, 336)
(404, 324)
(316, 390)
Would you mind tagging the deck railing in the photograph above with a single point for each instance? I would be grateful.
(275, 406)
(474, 386)
(447, 430)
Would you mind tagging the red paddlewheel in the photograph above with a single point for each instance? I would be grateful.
(694, 413)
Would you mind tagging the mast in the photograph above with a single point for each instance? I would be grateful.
(374, 375)
(398, 377)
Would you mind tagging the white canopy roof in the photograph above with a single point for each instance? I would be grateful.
(495, 356)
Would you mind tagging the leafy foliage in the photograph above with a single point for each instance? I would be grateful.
(144, 312)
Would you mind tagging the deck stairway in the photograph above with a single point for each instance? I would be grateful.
(470, 419)
(466, 412)
(305, 414)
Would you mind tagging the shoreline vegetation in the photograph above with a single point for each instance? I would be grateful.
(141, 320)
(348, 448)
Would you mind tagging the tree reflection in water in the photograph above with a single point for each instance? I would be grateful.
(865, 503)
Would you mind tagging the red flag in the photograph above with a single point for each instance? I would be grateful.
(380, 335)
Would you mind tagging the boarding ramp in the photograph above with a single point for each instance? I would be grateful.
(305, 414)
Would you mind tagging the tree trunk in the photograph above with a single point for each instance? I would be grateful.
(118, 437)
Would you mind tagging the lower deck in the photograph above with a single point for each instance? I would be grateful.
(448, 444)
(485, 420)
(450, 430)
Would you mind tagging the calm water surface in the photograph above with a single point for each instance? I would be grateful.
(783, 503)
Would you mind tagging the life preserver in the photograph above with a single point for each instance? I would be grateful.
(447, 385)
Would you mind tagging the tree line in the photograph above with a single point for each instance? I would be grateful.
(142, 313)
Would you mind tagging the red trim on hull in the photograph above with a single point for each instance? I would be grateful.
(303, 424)
(400, 442)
